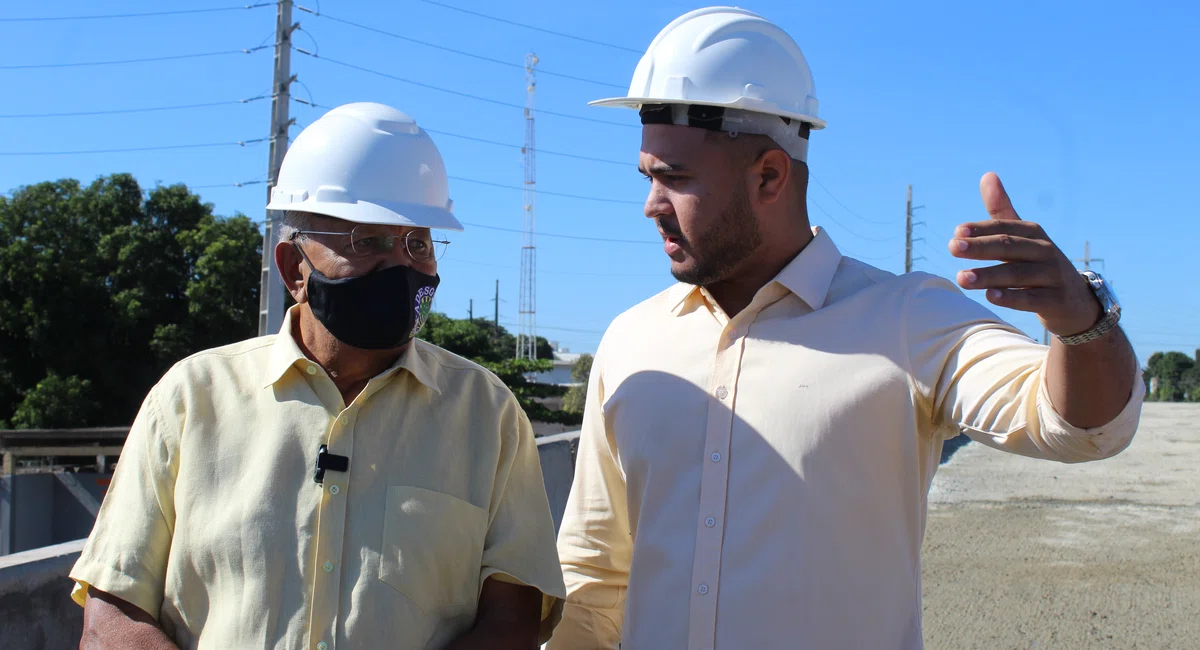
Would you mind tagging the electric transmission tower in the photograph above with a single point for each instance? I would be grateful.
(527, 334)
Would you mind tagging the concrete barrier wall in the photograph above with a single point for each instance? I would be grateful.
(36, 611)
(557, 454)
(39, 510)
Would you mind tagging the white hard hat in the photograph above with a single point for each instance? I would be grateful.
(366, 163)
(732, 59)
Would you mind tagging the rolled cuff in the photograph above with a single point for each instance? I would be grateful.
(1074, 444)
(111, 581)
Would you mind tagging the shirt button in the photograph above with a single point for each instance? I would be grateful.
(328, 566)
(312, 370)
(710, 522)
(703, 590)
(322, 646)
(722, 393)
(716, 457)
(334, 489)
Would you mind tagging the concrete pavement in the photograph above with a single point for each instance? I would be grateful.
(1021, 553)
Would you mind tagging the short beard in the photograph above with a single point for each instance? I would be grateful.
(717, 252)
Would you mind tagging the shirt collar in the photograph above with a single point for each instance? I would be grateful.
(809, 275)
(286, 354)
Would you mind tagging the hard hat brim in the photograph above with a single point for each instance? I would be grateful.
(637, 102)
(399, 214)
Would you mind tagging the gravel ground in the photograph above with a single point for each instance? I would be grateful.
(1021, 553)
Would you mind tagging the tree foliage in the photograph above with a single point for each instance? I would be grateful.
(494, 347)
(1177, 374)
(103, 287)
(577, 395)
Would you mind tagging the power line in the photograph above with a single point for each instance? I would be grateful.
(1138, 331)
(862, 237)
(867, 258)
(135, 110)
(136, 15)
(540, 151)
(497, 143)
(573, 273)
(558, 329)
(567, 196)
(42, 66)
(844, 207)
(458, 92)
(546, 151)
(220, 185)
(240, 143)
(443, 48)
(536, 29)
(937, 265)
(546, 234)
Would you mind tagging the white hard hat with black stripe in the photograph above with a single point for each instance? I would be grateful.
(728, 69)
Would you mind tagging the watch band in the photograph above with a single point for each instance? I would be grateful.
(1107, 323)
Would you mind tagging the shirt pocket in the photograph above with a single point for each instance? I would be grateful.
(432, 549)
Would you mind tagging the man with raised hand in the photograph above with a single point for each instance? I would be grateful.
(759, 439)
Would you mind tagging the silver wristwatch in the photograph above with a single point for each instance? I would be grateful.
(1108, 301)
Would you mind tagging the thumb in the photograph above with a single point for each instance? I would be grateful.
(995, 199)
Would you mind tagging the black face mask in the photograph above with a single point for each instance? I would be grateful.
(377, 311)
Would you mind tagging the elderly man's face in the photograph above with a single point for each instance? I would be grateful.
(699, 200)
(338, 256)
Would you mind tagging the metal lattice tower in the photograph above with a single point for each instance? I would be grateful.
(527, 335)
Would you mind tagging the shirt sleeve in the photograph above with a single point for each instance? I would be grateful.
(519, 547)
(980, 376)
(595, 544)
(126, 553)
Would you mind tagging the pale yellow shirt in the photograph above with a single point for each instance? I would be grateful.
(214, 525)
(761, 482)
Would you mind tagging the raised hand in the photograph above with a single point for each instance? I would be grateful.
(1034, 275)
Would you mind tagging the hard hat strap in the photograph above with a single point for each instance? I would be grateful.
(790, 135)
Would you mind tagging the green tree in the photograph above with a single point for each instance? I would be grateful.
(1189, 382)
(1169, 368)
(576, 396)
(56, 402)
(103, 287)
(582, 369)
(473, 339)
(494, 348)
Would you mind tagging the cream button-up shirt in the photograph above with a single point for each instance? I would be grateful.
(761, 481)
(213, 522)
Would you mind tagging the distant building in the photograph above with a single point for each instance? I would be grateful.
(560, 374)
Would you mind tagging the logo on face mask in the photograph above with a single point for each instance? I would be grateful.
(424, 303)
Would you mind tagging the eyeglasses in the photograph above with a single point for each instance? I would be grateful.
(367, 241)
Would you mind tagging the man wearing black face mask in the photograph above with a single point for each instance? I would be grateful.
(341, 483)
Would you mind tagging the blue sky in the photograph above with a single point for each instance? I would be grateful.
(1087, 110)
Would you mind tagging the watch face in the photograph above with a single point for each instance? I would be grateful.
(1104, 291)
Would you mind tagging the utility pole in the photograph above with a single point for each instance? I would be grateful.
(471, 310)
(270, 292)
(1087, 258)
(908, 232)
(496, 300)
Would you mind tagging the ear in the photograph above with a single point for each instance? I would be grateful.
(771, 173)
(290, 266)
